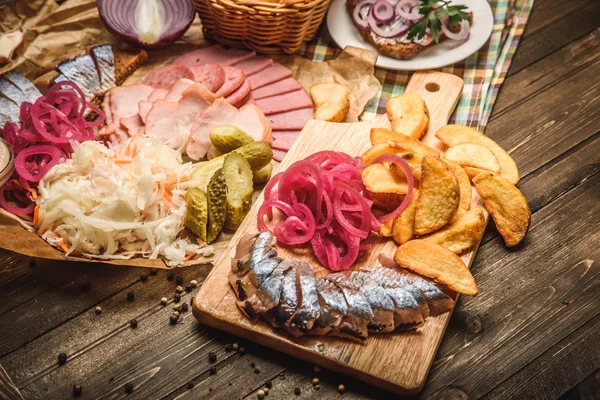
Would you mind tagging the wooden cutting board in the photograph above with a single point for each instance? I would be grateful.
(398, 362)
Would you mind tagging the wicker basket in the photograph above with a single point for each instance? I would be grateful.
(268, 27)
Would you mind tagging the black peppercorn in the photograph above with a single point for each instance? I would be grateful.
(190, 385)
(133, 323)
(257, 370)
(242, 351)
(174, 317)
(85, 286)
(128, 388)
(253, 364)
(228, 347)
(62, 358)
(179, 280)
(170, 276)
(32, 263)
(212, 357)
(184, 307)
(177, 298)
(188, 288)
(144, 277)
(130, 296)
(297, 391)
(77, 390)
(269, 384)
(213, 370)
(153, 271)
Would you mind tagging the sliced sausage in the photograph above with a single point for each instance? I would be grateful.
(283, 140)
(274, 73)
(211, 76)
(283, 86)
(284, 102)
(278, 155)
(234, 77)
(254, 64)
(165, 77)
(216, 54)
(240, 93)
(290, 120)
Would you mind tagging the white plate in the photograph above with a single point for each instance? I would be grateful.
(345, 33)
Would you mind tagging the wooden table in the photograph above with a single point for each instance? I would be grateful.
(531, 333)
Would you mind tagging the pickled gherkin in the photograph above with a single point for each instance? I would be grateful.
(227, 138)
(217, 205)
(238, 177)
(196, 213)
(263, 175)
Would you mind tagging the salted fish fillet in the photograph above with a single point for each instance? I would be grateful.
(251, 250)
(333, 307)
(104, 59)
(82, 71)
(381, 303)
(9, 111)
(288, 301)
(23, 84)
(309, 308)
(12, 92)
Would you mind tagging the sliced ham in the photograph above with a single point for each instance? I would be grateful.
(249, 119)
(124, 102)
(254, 64)
(210, 75)
(146, 105)
(283, 86)
(239, 94)
(274, 73)
(133, 124)
(290, 120)
(216, 54)
(278, 155)
(165, 77)
(283, 140)
(178, 88)
(284, 102)
(234, 77)
(171, 122)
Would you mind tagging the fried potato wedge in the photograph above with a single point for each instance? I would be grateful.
(332, 101)
(506, 204)
(439, 196)
(402, 230)
(413, 160)
(472, 172)
(452, 135)
(462, 234)
(382, 135)
(435, 262)
(408, 114)
(386, 201)
(386, 228)
(380, 178)
(466, 191)
(473, 155)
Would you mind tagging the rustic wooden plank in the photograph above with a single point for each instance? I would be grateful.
(8, 390)
(556, 371)
(588, 389)
(553, 24)
(519, 313)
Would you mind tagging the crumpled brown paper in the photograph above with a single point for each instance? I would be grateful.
(54, 34)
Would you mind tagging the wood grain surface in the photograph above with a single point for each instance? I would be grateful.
(532, 333)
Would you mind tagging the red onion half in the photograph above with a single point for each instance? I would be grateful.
(147, 23)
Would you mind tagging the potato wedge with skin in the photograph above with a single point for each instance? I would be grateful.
(472, 172)
(439, 196)
(402, 230)
(332, 101)
(413, 160)
(452, 135)
(386, 228)
(380, 178)
(408, 114)
(473, 155)
(387, 202)
(466, 192)
(506, 204)
(435, 262)
(462, 234)
(382, 135)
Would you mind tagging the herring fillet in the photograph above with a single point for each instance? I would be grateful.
(24, 85)
(308, 308)
(12, 92)
(104, 59)
(82, 71)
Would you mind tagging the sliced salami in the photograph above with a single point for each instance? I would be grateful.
(239, 94)
(278, 155)
(283, 86)
(234, 77)
(216, 54)
(290, 120)
(274, 73)
(285, 102)
(211, 76)
(165, 77)
(283, 140)
(254, 64)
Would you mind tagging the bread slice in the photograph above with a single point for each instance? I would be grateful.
(127, 61)
(390, 48)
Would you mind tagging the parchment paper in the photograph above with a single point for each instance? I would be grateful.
(54, 34)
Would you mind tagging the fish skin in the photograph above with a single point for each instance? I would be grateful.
(263, 269)
(381, 303)
(11, 92)
(24, 85)
(243, 251)
(104, 59)
(288, 300)
(354, 324)
(262, 245)
(333, 307)
(309, 308)
(9, 111)
(270, 291)
(82, 71)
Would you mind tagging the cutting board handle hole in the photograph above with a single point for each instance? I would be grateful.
(432, 87)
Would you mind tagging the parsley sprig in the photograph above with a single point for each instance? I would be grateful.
(433, 11)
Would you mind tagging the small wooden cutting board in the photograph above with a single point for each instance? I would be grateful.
(398, 362)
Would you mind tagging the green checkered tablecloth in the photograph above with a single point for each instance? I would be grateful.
(483, 72)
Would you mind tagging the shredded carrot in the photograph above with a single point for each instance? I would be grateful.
(175, 181)
(189, 257)
(167, 197)
(64, 247)
(33, 193)
(36, 215)
(121, 161)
